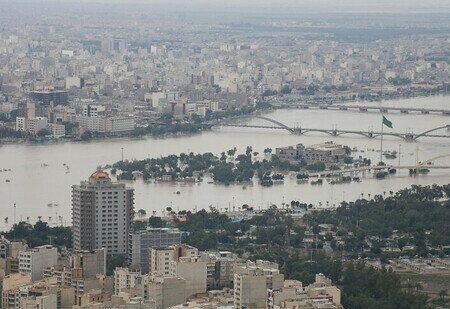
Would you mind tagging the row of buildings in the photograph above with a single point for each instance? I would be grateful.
(52, 121)
(179, 275)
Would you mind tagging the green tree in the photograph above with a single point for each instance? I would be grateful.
(86, 135)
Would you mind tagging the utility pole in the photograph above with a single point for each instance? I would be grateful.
(122, 153)
(14, 213)
(381, 140)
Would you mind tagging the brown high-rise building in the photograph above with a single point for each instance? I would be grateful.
(102, 214)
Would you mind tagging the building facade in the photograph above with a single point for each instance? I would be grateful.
(32, 262)
(143, 241)
(252, 281)
(102, 213)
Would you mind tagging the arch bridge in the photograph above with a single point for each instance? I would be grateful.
(338, 132)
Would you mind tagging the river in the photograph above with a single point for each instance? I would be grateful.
(33, 186)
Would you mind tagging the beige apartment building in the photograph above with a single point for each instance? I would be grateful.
(252, 281)
(102, 213)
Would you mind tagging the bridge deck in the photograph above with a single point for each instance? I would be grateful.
(365, 108)
(337, 132)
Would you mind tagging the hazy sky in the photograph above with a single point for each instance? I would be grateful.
(317, 5)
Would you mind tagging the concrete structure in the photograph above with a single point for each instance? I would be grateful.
(93, 110)
(92, 263)
(220, 268)
(166, 292)
(327, 152)
(50, 97)
(74, 82)
(41, 295)
(57, 130)
(10, 292)
(180, 261)
(102, 124)
(62, 274)
(32, 262)
(142, 241)
(321, 294)
(193, 270)
(36, 124)
(21, 124)
(119, 124)
(102, 213)
(252, 281)
(125, 279)
(290, 153)
(160, 260)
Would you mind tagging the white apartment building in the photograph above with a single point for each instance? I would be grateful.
(58, 130)
(32, 262)
(106, 124)
(102, 213)
(93, 110)
(126, 279)
(34, 125)
(21, 124)
(119, 124)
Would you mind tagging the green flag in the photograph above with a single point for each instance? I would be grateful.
(387, 123)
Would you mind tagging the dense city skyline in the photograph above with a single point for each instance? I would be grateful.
(259, 154)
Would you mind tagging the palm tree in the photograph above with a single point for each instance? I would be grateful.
(418, 287)
(442, 294)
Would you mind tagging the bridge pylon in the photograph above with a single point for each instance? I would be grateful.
(409, 137)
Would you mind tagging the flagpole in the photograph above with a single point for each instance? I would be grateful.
(381, 142)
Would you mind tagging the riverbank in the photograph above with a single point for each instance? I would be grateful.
(194, 128)
(52, 184)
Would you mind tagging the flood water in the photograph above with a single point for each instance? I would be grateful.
(39, 175)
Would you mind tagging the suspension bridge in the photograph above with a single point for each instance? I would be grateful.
(408, 136)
